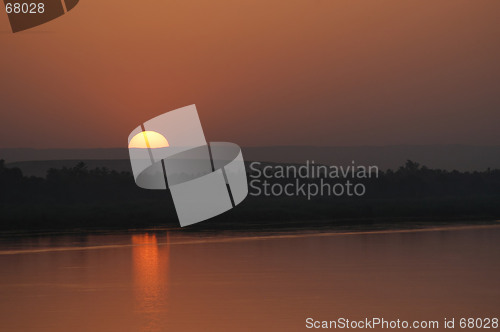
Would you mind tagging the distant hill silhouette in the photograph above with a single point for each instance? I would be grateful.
(25, 154)
(447, 157)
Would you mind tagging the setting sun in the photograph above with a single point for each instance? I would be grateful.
(148, 139)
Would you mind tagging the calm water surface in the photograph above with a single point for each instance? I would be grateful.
(170, 281)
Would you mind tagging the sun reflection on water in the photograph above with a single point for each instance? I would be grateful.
(150, 264)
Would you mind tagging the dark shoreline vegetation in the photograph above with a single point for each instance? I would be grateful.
(82, 198)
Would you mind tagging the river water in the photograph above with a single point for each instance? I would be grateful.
(178, 281)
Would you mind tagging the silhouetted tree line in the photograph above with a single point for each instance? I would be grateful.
(416, 181)
(81, 197)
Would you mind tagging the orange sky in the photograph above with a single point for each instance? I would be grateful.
(262, 72)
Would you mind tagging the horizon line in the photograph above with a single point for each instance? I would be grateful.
(275, 146)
